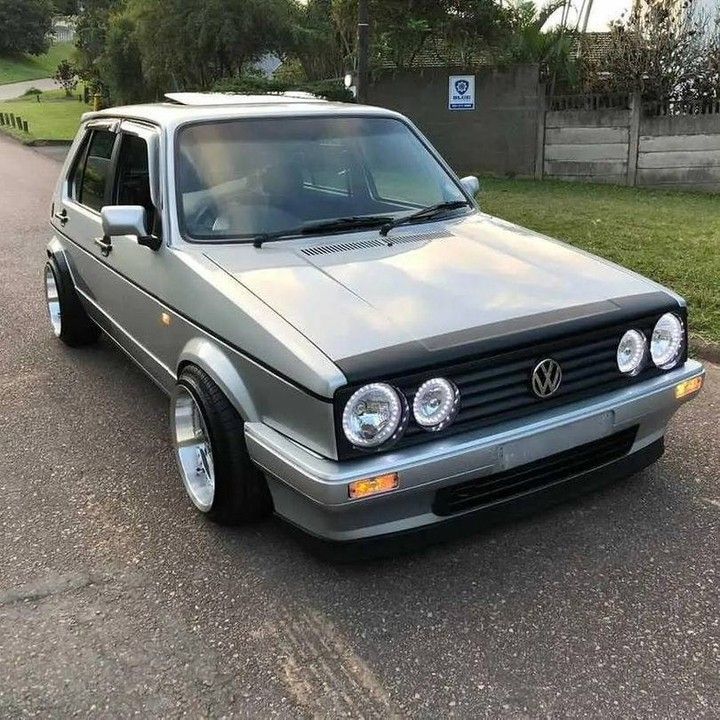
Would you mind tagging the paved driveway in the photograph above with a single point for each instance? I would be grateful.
(116, 598)
(15, 90)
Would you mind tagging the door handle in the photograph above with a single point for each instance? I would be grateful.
(104, 244)
(62, 216)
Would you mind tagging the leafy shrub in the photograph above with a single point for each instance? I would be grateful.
(256, 85)
(66, 76)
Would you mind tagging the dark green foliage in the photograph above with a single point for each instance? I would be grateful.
(255, 85)
(66, 77)
(24, 26)
(325, 37)
(189, 46)
(528, 41)
(120, 65)
(91, 33)
(66, 7)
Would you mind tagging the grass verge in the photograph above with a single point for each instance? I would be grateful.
(55, 117)
(31, 67)
(671, 237)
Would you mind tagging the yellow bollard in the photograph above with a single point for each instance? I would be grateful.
(97, 102)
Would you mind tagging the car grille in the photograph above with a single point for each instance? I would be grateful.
(533, 476)
(496, 388)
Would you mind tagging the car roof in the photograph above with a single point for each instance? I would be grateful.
(181, 108)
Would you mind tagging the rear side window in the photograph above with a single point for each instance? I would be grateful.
(92, 178)
(328, 168)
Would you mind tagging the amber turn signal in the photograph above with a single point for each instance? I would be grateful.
(688, 387)
(373, 486)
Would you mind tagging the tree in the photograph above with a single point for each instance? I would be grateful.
(326, 35)
(25, 25)
(474, 28)
(657, 51)
(707, 82)
(120, 64)
(553, 50)
(66, 7)
(323, 37)
(91, 36)
(190, 46)
(66, 76)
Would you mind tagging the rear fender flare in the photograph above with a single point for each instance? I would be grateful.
(56, 250)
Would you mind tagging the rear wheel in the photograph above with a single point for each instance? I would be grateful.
(219, 476)
(68, 318)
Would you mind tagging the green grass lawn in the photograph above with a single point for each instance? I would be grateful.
(31, 67)
(671, 237)
(55, 117)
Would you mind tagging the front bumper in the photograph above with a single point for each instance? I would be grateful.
(312, 492)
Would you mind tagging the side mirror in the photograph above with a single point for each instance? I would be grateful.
(128, 220)
(471, 185)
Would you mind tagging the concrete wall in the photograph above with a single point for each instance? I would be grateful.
(625, 148)
(498, 137)
(511, 133)
(587, 145)
(681, 152)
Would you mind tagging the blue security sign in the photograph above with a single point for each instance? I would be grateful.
(461, 92)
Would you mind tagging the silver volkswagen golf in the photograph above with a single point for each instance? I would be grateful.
(345, 337)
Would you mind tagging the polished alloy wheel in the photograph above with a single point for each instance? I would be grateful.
(53, 301)
(193, 449)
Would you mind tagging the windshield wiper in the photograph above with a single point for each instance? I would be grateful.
(343, 223)
(424, 214)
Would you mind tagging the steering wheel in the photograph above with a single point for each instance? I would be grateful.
(205, 219)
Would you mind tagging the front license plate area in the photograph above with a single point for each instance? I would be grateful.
(559, 439)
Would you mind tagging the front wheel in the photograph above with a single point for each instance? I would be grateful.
(219, 476)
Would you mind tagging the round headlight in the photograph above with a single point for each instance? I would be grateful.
(436, 404)
(667, 342)
(632, 352)
(374, 415)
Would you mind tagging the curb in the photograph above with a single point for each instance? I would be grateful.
(47, 143)
(705, 349)
(37, 143)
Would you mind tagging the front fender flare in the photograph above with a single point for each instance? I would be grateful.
(211, 358)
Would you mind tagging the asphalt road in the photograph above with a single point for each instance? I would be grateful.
(118, 600)
(15, 90)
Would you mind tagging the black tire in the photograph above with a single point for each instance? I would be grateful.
(241, 491)
(75, 327)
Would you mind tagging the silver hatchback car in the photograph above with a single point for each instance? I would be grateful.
(345, 337)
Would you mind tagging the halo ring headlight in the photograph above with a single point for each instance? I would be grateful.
(436, 404)
(375, 415)
(632, 352)
(667, 342)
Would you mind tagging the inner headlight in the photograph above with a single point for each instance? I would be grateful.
(632, 352)
(436, 404)
(668, 340)
(374, 415)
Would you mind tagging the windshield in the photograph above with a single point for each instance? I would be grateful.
(243, 178)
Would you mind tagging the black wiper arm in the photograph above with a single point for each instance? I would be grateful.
(343, 223)
(347, 223)
(426, 212)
